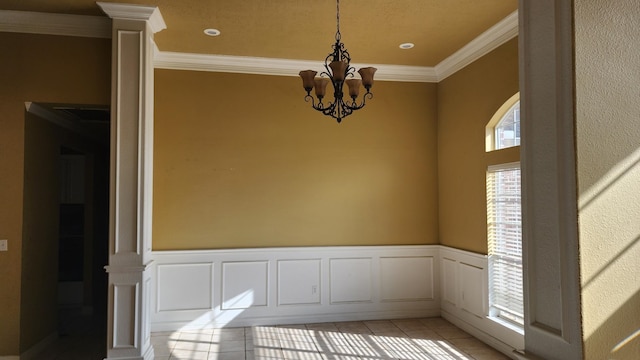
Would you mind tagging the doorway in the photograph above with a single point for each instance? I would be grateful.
(83, 240)
(66, 228)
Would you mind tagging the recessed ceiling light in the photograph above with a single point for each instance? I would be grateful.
(212, 32)
(406, 46)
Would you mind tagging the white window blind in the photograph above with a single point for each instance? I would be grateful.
(504, 222)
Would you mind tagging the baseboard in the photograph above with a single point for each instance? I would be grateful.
(35, 350)
(10, 357)
(480, 334)
(299, 319)
(149, 354)
(521, 355)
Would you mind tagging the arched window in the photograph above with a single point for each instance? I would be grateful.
(503, 130)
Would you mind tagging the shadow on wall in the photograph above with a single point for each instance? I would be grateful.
(627, 337)
(610, 247)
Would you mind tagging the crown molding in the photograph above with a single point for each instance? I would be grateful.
(279, 67)
(497, 35)
(55, 24)
(100, 27)
(150, 14)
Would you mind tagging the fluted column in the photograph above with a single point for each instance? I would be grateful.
(133, 27)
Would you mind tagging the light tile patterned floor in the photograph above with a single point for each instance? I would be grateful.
(406, 339)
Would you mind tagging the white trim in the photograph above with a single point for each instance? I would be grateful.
(489, 40)
(186, 294)
(551, 256)
(129, 277)
(279, 67)
(96, 26)
(506, 339)
(10, 357)
(187, 264)
(480, 334)
(55, 24)
(504, 166)
(150, 14)
(497, 35)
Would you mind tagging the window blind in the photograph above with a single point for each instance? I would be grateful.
(504, 220)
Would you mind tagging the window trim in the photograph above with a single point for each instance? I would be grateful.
(490, 138)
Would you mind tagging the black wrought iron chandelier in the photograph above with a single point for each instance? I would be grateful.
(338, 70)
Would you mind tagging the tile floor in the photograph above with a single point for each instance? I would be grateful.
(428, 338)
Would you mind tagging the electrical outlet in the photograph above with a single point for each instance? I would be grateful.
(314, 289)
(3, 245)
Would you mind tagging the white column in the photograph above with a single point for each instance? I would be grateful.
(552, 326)
(131, 179)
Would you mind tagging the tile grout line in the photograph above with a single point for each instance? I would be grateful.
(356, 339)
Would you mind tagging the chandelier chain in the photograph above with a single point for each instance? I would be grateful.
(338, 36)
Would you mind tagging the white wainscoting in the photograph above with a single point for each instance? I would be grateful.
(239, 287)
(465, 299)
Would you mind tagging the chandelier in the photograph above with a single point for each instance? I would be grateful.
(338, 70)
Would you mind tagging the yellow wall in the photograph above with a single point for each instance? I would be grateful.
(608, 169)
(243, 161)
(236, 166)
(42, 69)
(466, 102)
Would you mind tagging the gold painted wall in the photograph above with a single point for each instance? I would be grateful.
(466, 102)
(42, 69)
(242, 161)
(39, 286)
(608, 169)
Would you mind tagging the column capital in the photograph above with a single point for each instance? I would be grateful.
(150, 14)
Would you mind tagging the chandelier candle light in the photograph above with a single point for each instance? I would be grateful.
(338, 70)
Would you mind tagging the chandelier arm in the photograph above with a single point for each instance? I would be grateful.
(344, 54)
(334, 109)
(330, 110)
(320, 106)
(328, 59)
(351, 71)
(355, 106)
(308, 98)
(346, 109)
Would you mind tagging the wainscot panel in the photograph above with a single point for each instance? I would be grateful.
(465, 303)
(176, 294)
(241, 287)
(407, 278)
